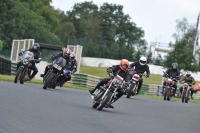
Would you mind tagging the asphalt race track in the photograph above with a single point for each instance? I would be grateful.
(28, 108)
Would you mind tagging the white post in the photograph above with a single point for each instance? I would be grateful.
(17, 56)
(195, 42)
(12, 50)
(24, 45)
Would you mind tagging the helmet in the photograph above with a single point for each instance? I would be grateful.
(124, 63)
(143, 60)
(35, 46)
(72, 56)
(66, 52)
(188, 74)
(175, 64)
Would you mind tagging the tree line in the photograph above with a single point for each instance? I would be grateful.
(110, 33)
(106, 26)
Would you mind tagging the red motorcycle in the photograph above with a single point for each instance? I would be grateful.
(169, 89)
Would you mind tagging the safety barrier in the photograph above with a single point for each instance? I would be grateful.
(13, 68)
(90, 81)
(153, 89)
(84, 80)
(5, 66)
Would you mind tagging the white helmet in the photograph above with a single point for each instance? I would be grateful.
(143, 60)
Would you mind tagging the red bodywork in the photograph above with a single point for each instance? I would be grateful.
(169, 81)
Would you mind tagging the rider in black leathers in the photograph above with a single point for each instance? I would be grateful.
(140, 67)
(120, 70)
(65, 54)
(37, 55)
(173, 73)
(74, 63)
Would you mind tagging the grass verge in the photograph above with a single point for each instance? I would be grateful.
(35, 81)
(101, 72)
(174, 99)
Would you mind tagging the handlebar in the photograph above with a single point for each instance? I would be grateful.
(167, 76)
(141, 74)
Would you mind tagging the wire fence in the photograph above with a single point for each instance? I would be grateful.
(100, 49)
(5, 53)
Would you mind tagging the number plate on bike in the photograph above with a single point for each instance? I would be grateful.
(119, 79)
(57, 67)
(136, 77)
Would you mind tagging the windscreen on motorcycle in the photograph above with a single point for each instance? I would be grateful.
(59, 63)
(28, 55)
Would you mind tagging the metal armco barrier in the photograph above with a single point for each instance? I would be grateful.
(153, 89)
(5, 66)
(90, 81)
(84, 80)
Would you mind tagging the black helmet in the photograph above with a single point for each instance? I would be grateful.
(35, 46)
(175, 64)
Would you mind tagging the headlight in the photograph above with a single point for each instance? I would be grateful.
(116, 83)
(57, 67)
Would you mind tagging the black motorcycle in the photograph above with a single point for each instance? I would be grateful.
(23, 73)
(56, 74)
(106, 94)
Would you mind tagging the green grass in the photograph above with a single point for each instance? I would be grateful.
(35, 81)
(101, 72)
(95, 71)
(174, 99)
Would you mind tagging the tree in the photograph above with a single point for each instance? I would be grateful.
(184, 30)
(1, 45)
(182, 56)
(43, 8)
(149, 57)
(158, 60)
(85, 18)
(19, 22)
(65, 31)
(117, 29)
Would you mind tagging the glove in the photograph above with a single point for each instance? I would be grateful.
(53, 58)
(111, 75)
(147, 76)
(73, 71)
(20, 54)
(109, 70)
(38, 60)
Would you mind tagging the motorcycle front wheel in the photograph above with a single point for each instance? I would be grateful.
(130, 90)
(18, 74)
(48, 81)
(104, 101)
